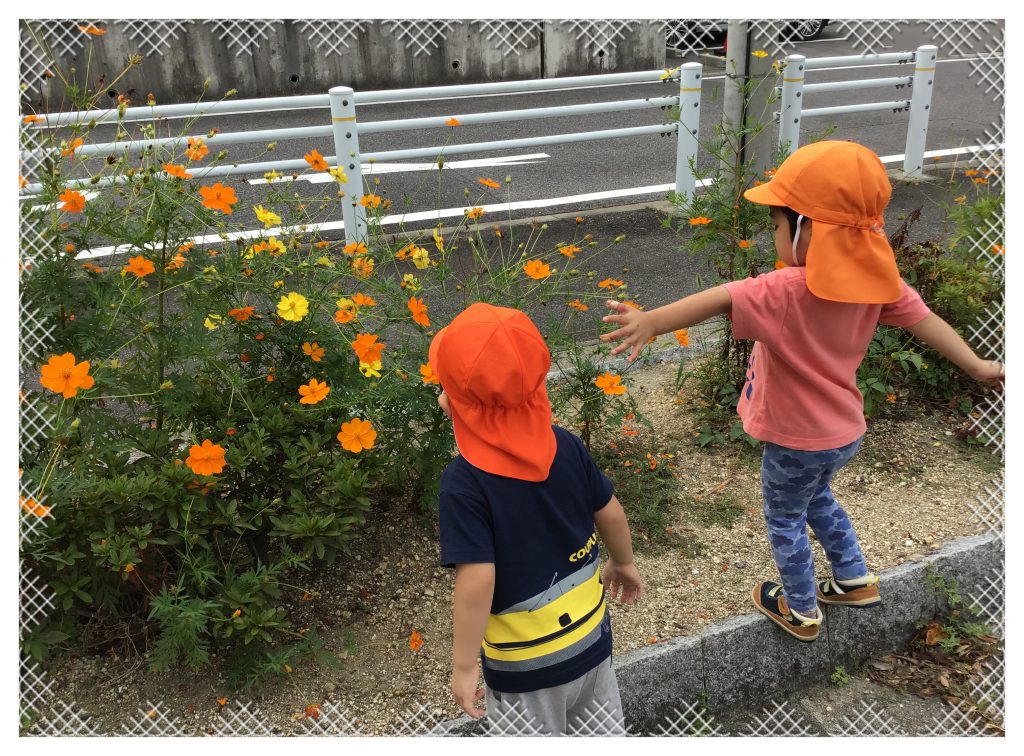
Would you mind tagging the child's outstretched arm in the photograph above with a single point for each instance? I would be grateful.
(639, 327)
(620, 572)
(940, 336)
(474, 590)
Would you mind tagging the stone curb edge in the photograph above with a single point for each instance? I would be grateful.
(747, 661)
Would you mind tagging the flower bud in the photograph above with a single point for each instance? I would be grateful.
(75, 423)
(619, 238)
(166, 385)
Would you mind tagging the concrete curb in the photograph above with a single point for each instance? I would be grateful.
(747, 661)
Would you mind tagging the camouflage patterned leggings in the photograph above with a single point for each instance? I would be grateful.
(797, 492)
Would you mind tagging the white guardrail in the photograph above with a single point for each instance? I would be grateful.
(922, 82)
(346, 128)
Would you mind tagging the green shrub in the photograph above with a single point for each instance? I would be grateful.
(202, 468)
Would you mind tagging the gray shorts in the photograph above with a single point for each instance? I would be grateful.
(588, 705)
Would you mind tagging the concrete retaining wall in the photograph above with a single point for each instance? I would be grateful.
(747, 661)
(263, 58)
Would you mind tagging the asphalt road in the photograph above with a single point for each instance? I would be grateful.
(564, 174)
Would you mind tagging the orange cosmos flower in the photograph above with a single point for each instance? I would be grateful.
(970, 172)
(610, 384)
(361, 300)
(961, 199)
(578, 305)
(242, 314)
(536, 269)
(313, 392)
(316, 160)
(363, 266)
(70, 149)
(891, 398)
(72, 201)
(178, 171)
(744, 244)
(206, 459)
(699, 221)
(370, 200)
(140, 266)
(196, 149)
(62, 375)
(314, 351)
(357, 435)
(491, 183)
(354, 248)
(219, 197)
(177, 262)
(453, 121)
(32, 118)
(415, 641)
(92, 29)
(998, 249)
(33, 507)
(344, 316)
(682, 336)
(610, 283)
(779, 265)
(429, 376)
(419, 312)
(981, 181)
(569, 250)
(475, 213)
(367, 347)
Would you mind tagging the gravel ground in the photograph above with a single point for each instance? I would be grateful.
(910, 489)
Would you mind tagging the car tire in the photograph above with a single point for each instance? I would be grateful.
(808, 29)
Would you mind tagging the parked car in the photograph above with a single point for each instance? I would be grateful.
(684, 35)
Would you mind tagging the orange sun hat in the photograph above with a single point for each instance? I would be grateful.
(493, 365)
(844, 189)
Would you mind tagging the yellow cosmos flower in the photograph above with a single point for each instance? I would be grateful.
(266, 217)
(370, 369)
(420, 258)
(293, 306)
(339, 175)
(213, 321)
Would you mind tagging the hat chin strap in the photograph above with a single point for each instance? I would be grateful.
(796, 239)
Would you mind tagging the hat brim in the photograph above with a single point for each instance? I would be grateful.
(850, 264)
(515, 443)
(763, 195)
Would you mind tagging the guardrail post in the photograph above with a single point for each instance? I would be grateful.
(346, 150)
(920, 108)
(792, 102)
(689, 125)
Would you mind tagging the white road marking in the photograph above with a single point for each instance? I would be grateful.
(452, 212)
(378, 168)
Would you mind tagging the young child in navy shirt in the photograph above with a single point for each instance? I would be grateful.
(518, 512)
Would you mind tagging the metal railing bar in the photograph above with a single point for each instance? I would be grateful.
(506, 144)
(863, 108)
(836, 86)
(147, 113)
(233, 137)
(379, 96)
(860, 60)
(498, 116)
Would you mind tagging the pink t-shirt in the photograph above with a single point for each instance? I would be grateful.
(801, 388)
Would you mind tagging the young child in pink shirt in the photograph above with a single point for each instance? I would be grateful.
(812, 322)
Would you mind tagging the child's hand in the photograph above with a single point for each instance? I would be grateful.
(464, 689)
(989, 372)
(624, 577)
(636, 328)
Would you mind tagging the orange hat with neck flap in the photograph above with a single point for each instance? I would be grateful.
(844, 189)
(493, 365)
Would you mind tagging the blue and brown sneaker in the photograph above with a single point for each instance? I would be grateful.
(770, 601)
(860, 592)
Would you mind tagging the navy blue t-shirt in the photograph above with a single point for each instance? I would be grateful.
(548, 623)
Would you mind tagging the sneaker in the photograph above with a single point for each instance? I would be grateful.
(770, 601)
(833, 591)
